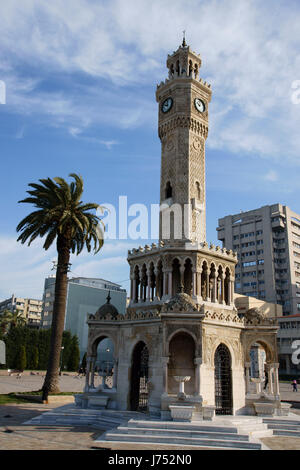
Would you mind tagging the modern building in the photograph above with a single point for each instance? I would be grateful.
(267, 241)
(84, 296)
(30, 309)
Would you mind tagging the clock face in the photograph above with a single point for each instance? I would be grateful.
(167, 105)
(199, 105)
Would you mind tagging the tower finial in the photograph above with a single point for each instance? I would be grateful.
(183, 41)
(108, 298)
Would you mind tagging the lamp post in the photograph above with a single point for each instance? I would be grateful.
(61, 354)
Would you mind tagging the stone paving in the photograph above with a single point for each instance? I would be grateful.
(15, 435)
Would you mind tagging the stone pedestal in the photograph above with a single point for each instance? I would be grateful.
(264, 409)
(182, 412)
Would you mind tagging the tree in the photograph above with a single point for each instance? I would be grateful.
(74, 356)
(22, 358)
(60, 216)
(9, 319)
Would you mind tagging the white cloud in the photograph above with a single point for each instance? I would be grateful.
(271, 176)
(27, 267)
(250, 57)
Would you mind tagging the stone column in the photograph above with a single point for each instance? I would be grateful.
(156, 284)
(141, 287)
(148, 288)
(199, 291)
(214, 290)
(270, 378)
(93, 363)
(247, 367)
(194, 283)
(208, 298)
(276, 379)
(231, 290)
(170, 284)
(197, 362)
(87, 374)
(165, 362)
(222, 289)
(165, 283)
(134, 293)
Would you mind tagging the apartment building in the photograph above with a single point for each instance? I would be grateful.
(30, 309)
(267, 241)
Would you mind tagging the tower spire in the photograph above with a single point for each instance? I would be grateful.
(183, 41)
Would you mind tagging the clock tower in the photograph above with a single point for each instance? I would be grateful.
(183, 127)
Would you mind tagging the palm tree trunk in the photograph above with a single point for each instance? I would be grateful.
(51, 383)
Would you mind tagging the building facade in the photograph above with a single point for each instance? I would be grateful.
(267, 241)
(29, 309)
(83, 294)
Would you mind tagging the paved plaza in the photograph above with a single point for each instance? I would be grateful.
(15, 435)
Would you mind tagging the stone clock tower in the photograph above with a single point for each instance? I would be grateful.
(183, 127)
(182, 322)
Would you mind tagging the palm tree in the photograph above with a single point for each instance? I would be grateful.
(63, 217)
(9, 319)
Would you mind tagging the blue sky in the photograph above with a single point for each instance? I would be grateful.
(80, 80)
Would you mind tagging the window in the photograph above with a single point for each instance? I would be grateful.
(168, 190)
(249, 263)
(259, 232)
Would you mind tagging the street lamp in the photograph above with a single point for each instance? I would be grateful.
(62, 348)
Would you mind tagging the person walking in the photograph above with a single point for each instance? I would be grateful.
(294, 384)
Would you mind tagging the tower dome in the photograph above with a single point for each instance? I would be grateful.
(106, 309)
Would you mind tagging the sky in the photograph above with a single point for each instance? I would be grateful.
(77, 95)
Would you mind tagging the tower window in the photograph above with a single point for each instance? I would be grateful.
(169, 191)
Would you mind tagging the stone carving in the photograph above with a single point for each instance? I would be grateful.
(180, 303)
(254, 316)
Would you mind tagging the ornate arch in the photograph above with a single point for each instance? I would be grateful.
(265, 343)
(94, 338)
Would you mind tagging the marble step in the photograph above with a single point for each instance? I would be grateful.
(166, 425)
(285, 432)
(251, 426)
(284, 427)
(113, 437)
(181, 433)
(292, 422)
